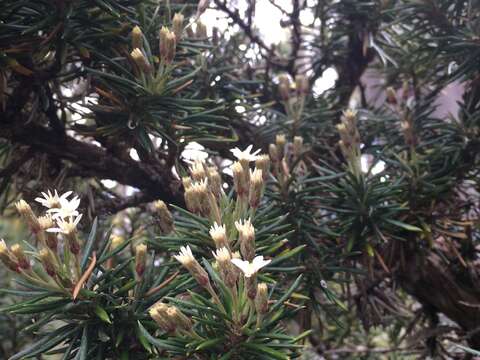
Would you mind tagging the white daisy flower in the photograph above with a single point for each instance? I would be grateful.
(66, 226)
(251, 268)
(50, 200)
(68, 208)
(245, 155)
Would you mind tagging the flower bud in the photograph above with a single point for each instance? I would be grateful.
(240, 179)
(251, 286)
(46, 222)
(137, 38)
(301, 85)
(219, 235)
(178, 318)
(297, 146)
(214, 181)
(197, 170)
(22, 260)
(256, 188)
(164, 217)
(163, 46)
(263, 163)
(391, 95)
(228, 272)
(284, 87)
(141, 61)
(272, 150)
(158, 312)
(7, 257)
(171, 47)
(115, 242)
(48, 262)
(201, 30)
(178, 25)
(26, 212)
(187, 182)
(140, 258)
(261, 299)
(280, 141)
(246, 235)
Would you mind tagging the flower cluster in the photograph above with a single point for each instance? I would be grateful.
(56, 235)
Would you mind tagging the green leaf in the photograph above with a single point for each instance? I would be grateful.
(102, 314)
(403, 225)
(89, 245)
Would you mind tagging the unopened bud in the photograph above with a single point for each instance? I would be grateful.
(141, 61)
(171, 47)
(251, 286)
(201, 30)
(164, 217)
(198, 170)
(140, 258)
(178, 25)
(26, 212)
(115, 242)
(261, 299)
(240, 179)
(263, 163)
(48, 262)
(6, 257)
(214, 181)
(137, 38)
(163, 42)
(391, 95)
(284, 87)
(246, 237)
(187, 182)
(272, 150)
(280, 141)
(158, 312)
(228, 272)
(301, 85)
(297, 146)
(256, 188)
(46, 222)
(178, 318)
(22, 260)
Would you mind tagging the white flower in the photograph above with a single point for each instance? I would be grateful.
(251, 268)
(68, 208)
(50, 200)
(245, 155)
(185, 256)
(66, 226)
